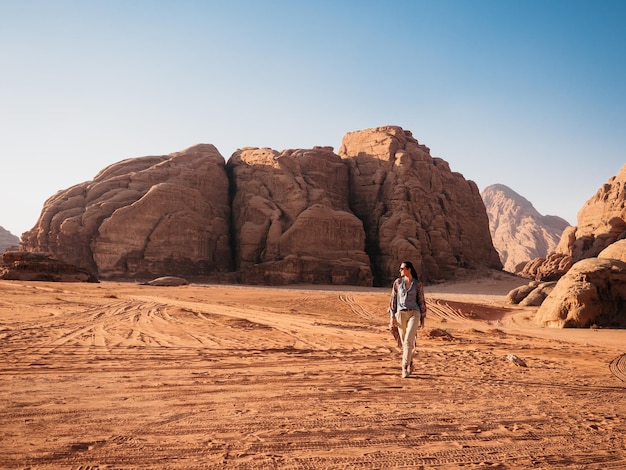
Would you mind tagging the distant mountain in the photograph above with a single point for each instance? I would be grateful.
(7, 240)
(518, 231)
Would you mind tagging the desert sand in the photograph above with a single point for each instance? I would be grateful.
(122, 375)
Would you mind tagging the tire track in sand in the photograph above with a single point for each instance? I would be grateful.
(358, 309)
(618, 367)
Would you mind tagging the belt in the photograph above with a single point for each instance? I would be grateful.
(409, 310)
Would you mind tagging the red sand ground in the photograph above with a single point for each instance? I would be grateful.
(119, 376)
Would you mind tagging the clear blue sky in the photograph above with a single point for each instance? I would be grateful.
(526, 93)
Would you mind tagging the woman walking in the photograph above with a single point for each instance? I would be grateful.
(407, 311)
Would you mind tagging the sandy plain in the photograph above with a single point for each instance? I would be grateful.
(122, 375)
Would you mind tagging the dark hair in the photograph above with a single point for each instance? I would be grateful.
(409, 265)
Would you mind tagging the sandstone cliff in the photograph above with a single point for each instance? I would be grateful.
(601, 222)
(589, 264)
(306, 215)
(7, 240)
(592, 292)
(518, 231)
(413, 207)
(291, 219)
(142, 217)
(25, 266)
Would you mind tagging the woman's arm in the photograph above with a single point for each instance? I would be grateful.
(421, 302)
(393, 303)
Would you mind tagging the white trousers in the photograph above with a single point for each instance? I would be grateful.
(408, 323)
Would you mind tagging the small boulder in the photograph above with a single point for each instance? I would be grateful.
(593, 292)
(518, 361)
(538, 294)
(615, 250)
(440, 333)
(168, 281)
(520, 293)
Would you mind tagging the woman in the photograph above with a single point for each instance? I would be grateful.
(407, 311)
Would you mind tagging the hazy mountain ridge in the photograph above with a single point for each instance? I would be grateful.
(519, 232)
(7, 239)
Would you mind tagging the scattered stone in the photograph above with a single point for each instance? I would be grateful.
(516, 360)
(167, 281)
(518, 294)
(538, 294)
(440, 333)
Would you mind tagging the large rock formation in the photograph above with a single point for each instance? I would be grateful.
(27, 266)
(518, 231)
(273, 217)
(7, 240)
(413, 207)
(593, 292)
(291, 219)
(589, 263)
(143, 217)
(601, 222)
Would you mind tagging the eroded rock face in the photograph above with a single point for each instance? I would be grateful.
(602, 220)
(291, 219)
(589, 263)
(593, 292)
(269, 217)
(518, 231)
(414, 208)
(615, 250)
(143, 217)
(8, 240)
(27, 266)
(550, 268)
